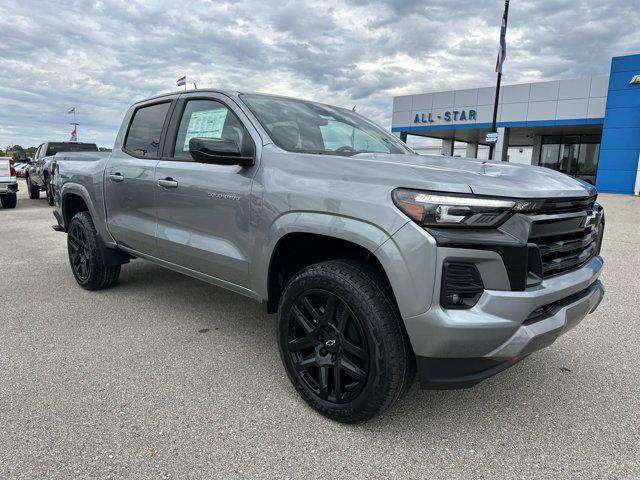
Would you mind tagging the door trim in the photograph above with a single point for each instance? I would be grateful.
(218, 282)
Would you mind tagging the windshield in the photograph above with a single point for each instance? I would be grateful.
(309, 127)
(54, 148)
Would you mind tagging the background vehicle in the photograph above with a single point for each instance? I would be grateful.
(8, 183)
(380, 262)
(21, 169)
(39, 173)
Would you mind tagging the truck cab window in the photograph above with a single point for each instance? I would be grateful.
(144, 134)
(208, 119)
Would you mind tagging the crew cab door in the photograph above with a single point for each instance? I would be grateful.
(203, 210)
(129, 178)
(35, 169)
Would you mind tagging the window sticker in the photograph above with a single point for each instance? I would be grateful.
(205, 123)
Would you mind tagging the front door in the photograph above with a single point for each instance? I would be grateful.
(203, 210)
(129, 181)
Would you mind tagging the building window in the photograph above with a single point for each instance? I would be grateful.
(575, 155)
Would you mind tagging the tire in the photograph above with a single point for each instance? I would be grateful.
(337, 315)
(9, 200)
(34, 191)
(85, 256)
(49, 190)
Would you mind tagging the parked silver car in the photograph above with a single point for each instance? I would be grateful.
(379, 262)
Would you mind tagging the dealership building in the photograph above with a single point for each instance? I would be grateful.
(586, 127)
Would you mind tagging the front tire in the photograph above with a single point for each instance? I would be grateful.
(34, 190)
(342, 341)
(9, 200)
(85, 256)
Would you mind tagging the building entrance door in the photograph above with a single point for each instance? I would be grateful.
(575, 155)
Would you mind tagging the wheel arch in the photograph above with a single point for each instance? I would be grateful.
(299, 239)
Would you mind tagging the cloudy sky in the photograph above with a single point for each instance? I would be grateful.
(101, 56)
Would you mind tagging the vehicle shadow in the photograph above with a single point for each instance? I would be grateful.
(420, 411)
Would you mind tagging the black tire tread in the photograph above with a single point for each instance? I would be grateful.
(9, 200)
(34, 191)
(395, 360)
(102, 276)
(49, 192)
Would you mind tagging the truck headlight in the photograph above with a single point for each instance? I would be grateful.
(432, 209)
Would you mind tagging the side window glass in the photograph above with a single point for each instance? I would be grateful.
(207, 119)
(146, 128)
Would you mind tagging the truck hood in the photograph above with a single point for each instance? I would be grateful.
(465, 175)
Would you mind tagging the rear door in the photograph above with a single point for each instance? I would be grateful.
(129, 183)
(203, 210)
(36, 165)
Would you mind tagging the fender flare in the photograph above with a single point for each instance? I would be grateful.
(352, 230)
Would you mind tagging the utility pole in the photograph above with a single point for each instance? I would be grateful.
(501, 54)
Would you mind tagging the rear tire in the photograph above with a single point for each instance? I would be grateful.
(342, 340)
(9, 200)
(49, 190)
(85, 255)
(34, 191)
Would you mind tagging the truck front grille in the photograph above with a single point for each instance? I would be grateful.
(566, 240)
(565, 252)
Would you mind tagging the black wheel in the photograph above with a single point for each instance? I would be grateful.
(9, 200)
(49, 190)
(85, 256)
(34, 191)
(342, 341)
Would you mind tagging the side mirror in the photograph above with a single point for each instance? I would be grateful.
(219, 151)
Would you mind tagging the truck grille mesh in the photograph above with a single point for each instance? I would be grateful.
(566, 240)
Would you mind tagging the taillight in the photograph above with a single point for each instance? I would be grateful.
(12, 168)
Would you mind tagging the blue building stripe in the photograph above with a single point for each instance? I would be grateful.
(533, 123)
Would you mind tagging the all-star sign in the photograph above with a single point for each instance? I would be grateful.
(452, 116)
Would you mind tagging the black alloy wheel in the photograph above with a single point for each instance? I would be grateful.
(79, 253)
(86, 257)
(342, 341)
(328, 346)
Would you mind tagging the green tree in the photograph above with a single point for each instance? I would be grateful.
(18, 153)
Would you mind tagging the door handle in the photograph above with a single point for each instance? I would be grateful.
(116, 177)
(168, 183)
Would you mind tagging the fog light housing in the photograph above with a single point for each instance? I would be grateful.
(461, 285)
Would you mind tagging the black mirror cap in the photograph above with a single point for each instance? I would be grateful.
(221, 151)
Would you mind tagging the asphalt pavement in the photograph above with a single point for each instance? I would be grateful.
(164, 376)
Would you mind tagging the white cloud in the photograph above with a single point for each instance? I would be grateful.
(101, 57)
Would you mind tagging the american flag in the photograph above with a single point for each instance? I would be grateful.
(182, 81)
(502, 52)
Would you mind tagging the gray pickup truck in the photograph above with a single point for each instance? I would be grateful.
(381, 263)
(39, 171)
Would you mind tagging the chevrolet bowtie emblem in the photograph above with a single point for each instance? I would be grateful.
(635, 80)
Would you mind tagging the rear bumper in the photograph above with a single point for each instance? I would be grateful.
(8, 187)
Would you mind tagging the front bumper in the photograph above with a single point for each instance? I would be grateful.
(8, 187)
(459, 348)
